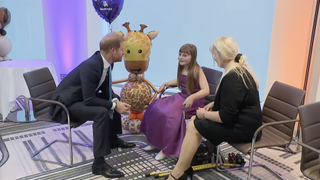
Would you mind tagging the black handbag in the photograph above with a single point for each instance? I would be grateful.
(204, 153)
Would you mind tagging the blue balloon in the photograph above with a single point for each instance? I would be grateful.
(108, 9)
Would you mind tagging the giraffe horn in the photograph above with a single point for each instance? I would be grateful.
(126, 25)
(142, 27)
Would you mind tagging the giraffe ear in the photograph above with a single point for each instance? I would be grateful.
(118, 32)
(153, 34)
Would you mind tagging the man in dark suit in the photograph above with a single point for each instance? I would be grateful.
(87, 94)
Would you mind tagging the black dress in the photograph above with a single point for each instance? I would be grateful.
(239, 110)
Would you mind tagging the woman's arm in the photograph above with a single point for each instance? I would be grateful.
(210, 115)
(204, 86)
(232, 93)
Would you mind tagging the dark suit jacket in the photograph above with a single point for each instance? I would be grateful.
(80, 86)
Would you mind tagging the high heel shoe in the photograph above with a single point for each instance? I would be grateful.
(189, 172)
(183, 177)
(187, 175)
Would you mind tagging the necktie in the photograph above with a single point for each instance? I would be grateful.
(110, 92)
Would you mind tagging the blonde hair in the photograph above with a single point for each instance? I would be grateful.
(226, 50)
(193, 68)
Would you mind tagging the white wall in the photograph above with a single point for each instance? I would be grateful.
(25, 31)
(96, 28)
(249, 22)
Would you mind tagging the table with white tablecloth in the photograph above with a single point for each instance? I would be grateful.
(12, 83)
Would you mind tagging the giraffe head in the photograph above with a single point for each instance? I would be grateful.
(137, 48)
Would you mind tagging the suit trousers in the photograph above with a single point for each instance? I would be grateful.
(105, 130)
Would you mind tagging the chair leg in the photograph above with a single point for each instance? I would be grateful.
(70, 145)
(62, 141)
(284, 149)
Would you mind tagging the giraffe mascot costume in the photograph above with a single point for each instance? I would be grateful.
(136, 91)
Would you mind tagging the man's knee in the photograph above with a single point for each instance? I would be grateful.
(101, 113)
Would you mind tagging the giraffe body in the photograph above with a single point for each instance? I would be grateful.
(137, 48)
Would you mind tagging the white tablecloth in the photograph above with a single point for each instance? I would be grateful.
(12, 83)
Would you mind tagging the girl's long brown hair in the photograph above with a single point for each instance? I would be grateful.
(193, 68)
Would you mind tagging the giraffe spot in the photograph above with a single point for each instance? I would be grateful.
(148, 44)
(143, 41)
(139, 36)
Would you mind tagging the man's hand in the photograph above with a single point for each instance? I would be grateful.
(209, 106)
(122, 107)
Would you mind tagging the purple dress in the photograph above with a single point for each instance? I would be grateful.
(163, 122)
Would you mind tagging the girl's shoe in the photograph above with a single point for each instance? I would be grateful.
(160, 156)
(149, 148)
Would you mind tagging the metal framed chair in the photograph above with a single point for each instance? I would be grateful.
(213, 77)
(41, 87)
(310, 125)
(279, 112)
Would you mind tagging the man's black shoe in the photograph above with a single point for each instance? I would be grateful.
(106, 170)
(121, 144)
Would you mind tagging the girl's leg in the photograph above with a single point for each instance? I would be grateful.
(189, 147)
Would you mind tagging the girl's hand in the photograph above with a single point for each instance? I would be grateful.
(209, 106)
(188, 102)
(162, 88)
(200, 113)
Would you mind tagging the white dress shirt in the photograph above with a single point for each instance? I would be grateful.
(103, 77)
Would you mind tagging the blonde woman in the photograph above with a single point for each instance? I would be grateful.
(235, 114)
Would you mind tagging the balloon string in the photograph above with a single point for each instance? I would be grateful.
(110, 28)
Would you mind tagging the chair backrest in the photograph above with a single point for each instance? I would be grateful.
(41, 85)
(282, 104)
(310, 126)
(213, 77)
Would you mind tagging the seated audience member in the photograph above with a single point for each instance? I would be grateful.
(235, 114)
(78, 91)
(163, 122)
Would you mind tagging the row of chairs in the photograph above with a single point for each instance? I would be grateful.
(280, 111)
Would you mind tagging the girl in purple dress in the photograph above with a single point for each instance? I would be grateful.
(163, 122)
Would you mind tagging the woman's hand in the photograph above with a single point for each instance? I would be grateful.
(188, 102)
(200, 113)
(209, 106)
(162, 88)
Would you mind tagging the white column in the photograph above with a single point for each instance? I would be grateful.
(96, 28)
